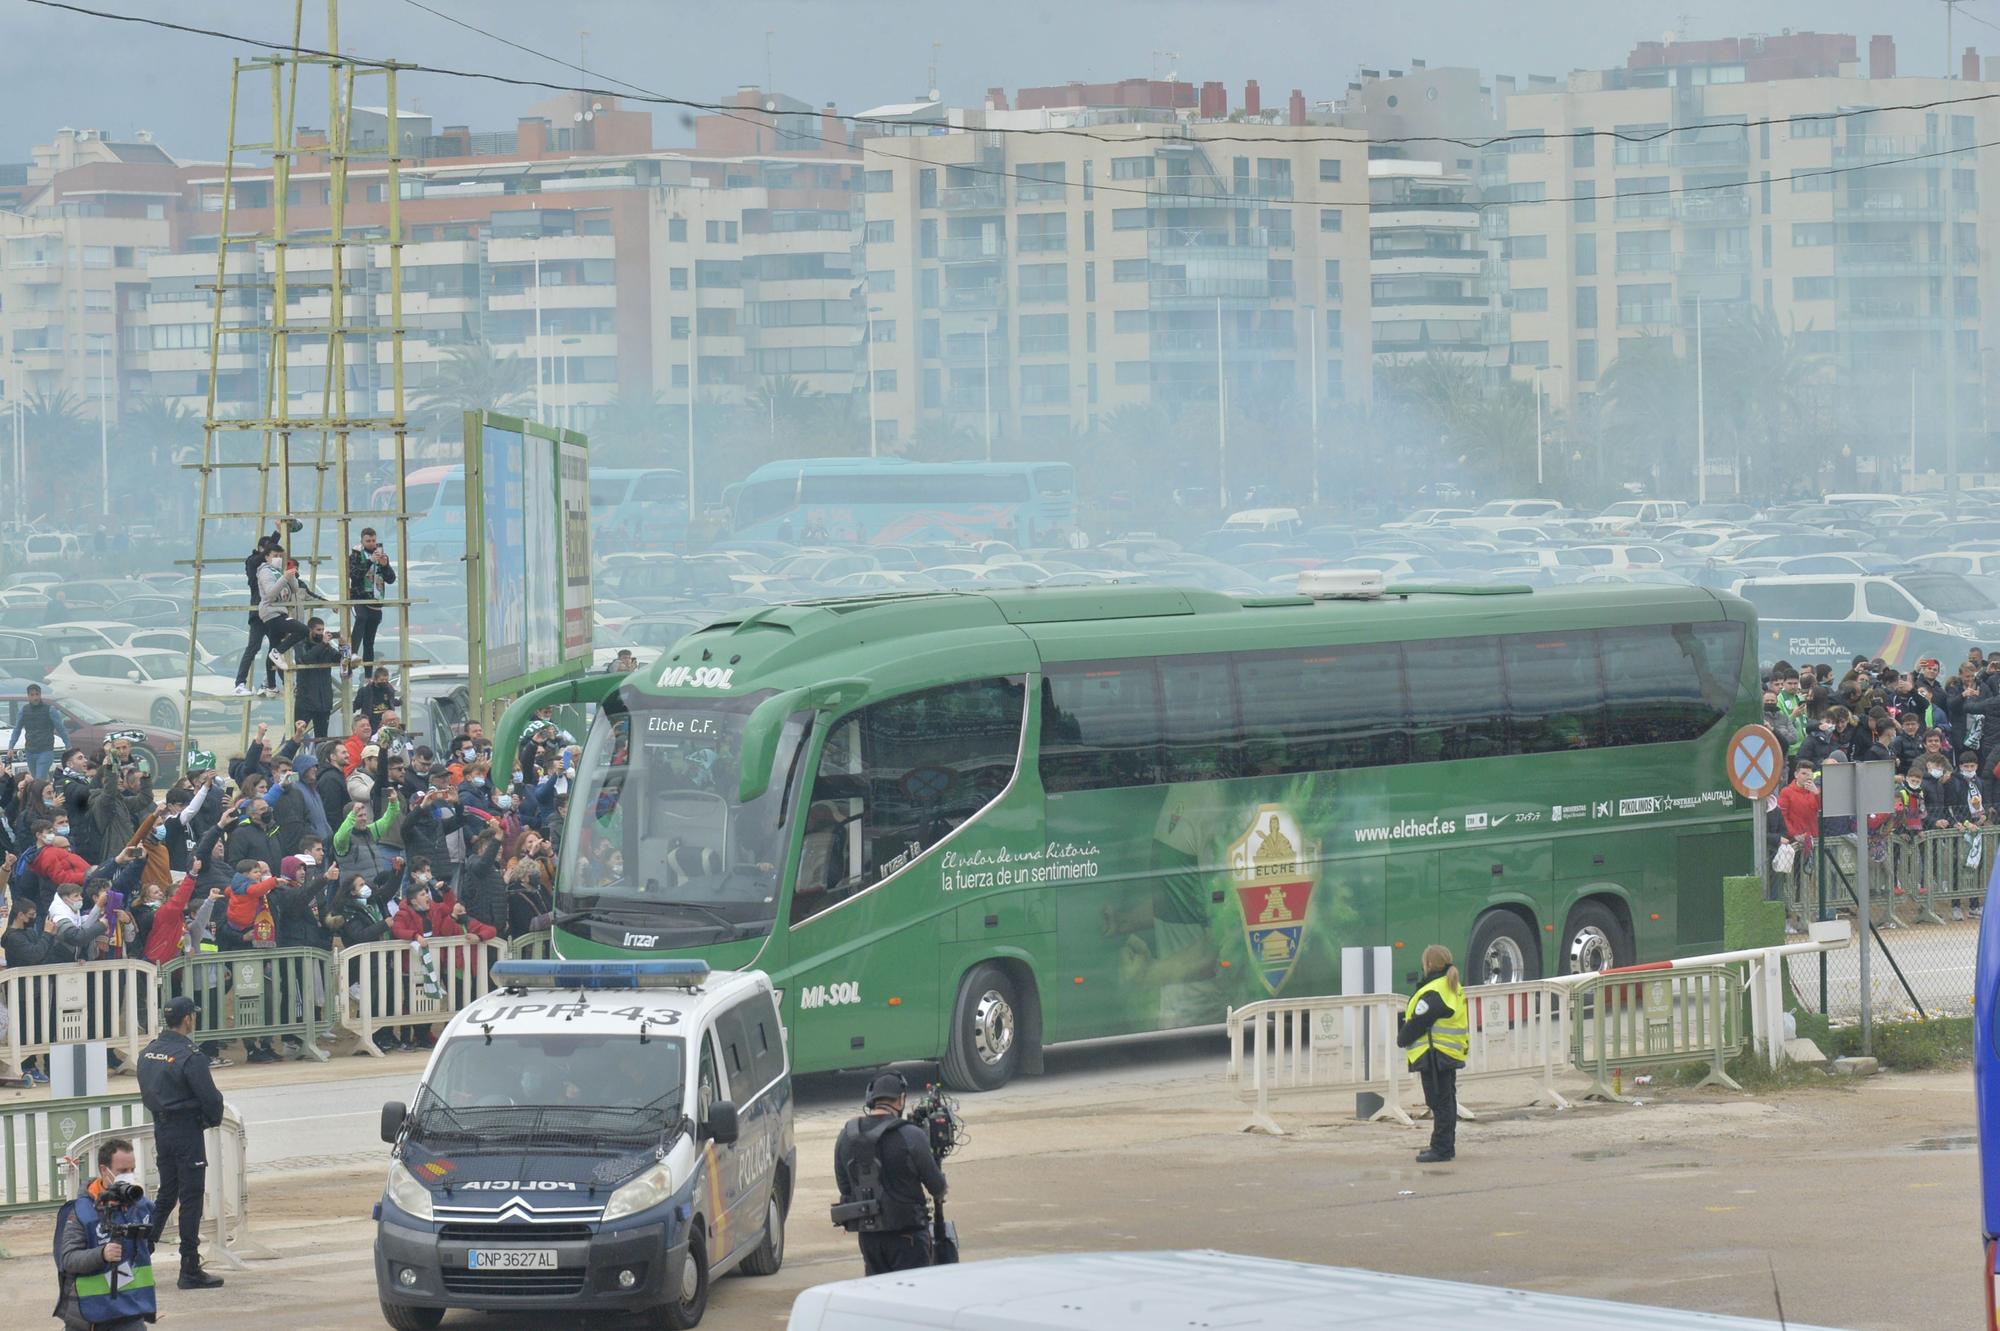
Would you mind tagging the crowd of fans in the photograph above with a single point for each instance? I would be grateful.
(304, 841)
(1941, 732)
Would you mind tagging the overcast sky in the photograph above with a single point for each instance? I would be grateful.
(59, 68)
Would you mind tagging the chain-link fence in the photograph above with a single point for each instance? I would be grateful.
(1925, 890)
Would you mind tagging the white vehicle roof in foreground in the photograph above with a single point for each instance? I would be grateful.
(539, 1010)
(1145, 1291)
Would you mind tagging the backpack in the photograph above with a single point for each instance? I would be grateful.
(872, 1210)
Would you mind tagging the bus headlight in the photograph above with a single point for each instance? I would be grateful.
(650, 1189)
(408, 1195)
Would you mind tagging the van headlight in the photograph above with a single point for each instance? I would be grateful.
(650, 1189)
(408, 1195)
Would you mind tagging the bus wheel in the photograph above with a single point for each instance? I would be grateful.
(1504, 950)
(985, 1048)
(1595, 940)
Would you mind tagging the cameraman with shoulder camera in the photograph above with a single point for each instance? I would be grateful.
(883, 1165)
(180, 1094)
(104, 1249)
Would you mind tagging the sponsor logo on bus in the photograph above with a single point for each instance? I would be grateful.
(1634, 808)
(844, 994)
(1408, 829)
(1273, 886)
(1558, 812)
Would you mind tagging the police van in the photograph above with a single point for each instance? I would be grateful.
(591, 1136)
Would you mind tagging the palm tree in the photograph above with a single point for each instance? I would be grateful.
(1649, 423)
(473, 376)
(639, 430)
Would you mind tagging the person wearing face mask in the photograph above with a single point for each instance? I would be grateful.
(279, 594)
(75, 928)
(313, 662)
(106, 1280)
(356, 842)
(1824, 738)
(250, 838)
(252, 566)
(482, 885)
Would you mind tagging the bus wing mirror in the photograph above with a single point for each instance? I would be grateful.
(760, 742)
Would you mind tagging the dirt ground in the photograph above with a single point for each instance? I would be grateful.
(1862, 1198)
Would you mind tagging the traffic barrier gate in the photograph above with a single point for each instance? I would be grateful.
(116, 1001)
(419, 982)
(35, 1135)
(226, 1208)
(256, 993)
(1658, 1017)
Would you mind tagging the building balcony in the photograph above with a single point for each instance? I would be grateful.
(965, 353)
(1209, 240)
(1883, 147)
(973, 198)
(1167, 290)
(1045, 344)
(1652, 261)
(972, 249)
(1438, 213)
(1042, 244)
(1459, 301)
(1040, 191)
(1717, 207)
(983, 296)
(1729, 152)
(973, 397)
(1892, 206)
(548, 249)
(36, 274)
(1191, 343)
(572, 296)
(1045, 395)
(1699, 262)
(1440, 263)
(1186, 191)
(1651, 315)
(1886, 256)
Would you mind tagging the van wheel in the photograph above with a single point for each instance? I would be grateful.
(1595, 940)
(985, 1048)
(691, 1300)
(770, 1254)
(405, 1318)
(1504, 950)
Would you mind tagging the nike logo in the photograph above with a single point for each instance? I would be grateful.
(1501, 819)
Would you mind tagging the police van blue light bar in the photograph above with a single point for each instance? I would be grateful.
(674, 974)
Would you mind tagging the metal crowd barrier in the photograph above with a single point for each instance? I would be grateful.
(1914, 878)
(256, 993)
(117, 1002)
(1626, 1020)
(225, 1213)
(1517, 1030)
(394, 983)
(1334, 1043)
(35, 1136)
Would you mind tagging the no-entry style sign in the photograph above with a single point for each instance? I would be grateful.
(1756, 765)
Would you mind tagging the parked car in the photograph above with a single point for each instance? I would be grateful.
(156, 750)
(136, 683)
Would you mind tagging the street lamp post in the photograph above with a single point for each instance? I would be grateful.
(537, 254)
(1538, 422)
(103, 430)
(986, 382)
(568, 407)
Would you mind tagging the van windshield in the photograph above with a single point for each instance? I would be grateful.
(553, 1084)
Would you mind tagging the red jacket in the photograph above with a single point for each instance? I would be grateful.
(163, 940)
(243, 905)
(60, 866)
(1801, 810)
(438, 923)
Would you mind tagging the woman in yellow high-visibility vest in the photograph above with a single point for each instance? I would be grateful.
(1437, 1031)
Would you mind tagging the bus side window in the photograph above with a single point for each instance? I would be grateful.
(1667, 682)
(1100, 726)
(1203, 740)
(1555, 696)
(1456, 696)
(1321, 709)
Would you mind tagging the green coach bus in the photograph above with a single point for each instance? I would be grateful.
(965, 826)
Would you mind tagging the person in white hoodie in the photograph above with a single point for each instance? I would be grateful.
(279, 593)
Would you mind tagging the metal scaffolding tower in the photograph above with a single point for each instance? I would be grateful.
(298, 299)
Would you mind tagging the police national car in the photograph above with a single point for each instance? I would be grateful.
(598, 1135)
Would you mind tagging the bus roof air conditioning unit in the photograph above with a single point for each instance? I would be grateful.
(1340, 584)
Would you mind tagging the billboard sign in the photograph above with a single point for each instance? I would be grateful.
(528, 601)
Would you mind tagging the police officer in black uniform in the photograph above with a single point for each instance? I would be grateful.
(883, 1158)
(179, 1092)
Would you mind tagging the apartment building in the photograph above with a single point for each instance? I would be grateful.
(607, 267)
(93, 211)
(1429, 274)
(1026, 284)
(1861, 235)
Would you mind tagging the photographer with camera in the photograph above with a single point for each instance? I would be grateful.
(883, 1165)
(180, 1094)
(104, 1248)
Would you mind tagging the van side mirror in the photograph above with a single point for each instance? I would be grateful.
(720, 1125)
(393, 1115)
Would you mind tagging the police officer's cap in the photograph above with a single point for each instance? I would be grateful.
(180, 1009)
(886, 1086)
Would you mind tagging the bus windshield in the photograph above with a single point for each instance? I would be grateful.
(656, 835)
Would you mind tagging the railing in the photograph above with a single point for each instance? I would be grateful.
(35, 1135)
(988, 296)
(960, 198)
(1340, 1043)
(1058, 244)
(1713, 206)
(1208, 238)
(256, 993)
(1652, 261)
(1870, 147)
(536, 946)
(972, 249)
(1727, 152)
(1648, 1019)
(117, 1002)
(1044, 344)
(226, 1192)
(1698, 262)
(393, 983)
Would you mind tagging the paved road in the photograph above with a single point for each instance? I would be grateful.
(1680, 1202)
